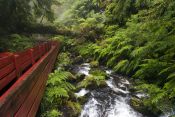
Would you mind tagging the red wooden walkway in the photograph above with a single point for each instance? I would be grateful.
(23, 78)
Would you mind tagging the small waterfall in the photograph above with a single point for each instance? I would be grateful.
(91, 109)
(84, 69)
(121, 108)
(111, 101)
(112, 85)
(82, 92)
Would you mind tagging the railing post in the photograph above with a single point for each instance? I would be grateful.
(32, 57)
(18, 73)
(40, 51)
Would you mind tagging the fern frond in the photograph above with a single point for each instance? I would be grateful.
(124, 50)
(66, 85)
(171, 76)
(76, 107)
(57, 92)
(139, 51)
(58, 76)
(121, 66)
(111, 61)
(170, 84)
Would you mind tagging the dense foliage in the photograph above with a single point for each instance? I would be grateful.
(59, 92)
(16, 15)
(16, 42)
(135, 38)
(20, 18)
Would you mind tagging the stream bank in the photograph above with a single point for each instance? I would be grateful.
(97, 91)
(112, 100)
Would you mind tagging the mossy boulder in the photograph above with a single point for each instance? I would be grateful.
(139, 105)
(78, 59)
(94, 64)
(97, 72)
(70, 109)
(74, 108)
(93, 81)
(82, 100)
(79, 77)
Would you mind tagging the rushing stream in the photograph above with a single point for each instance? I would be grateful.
(110, 101)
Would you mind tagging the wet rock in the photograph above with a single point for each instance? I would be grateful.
(70, 109)
(132, 89)
(79, 77)
(94, 85)
(98, 72)
(72, 96)
(78, 59)
(82, 92)
(138, 105)
(82, 100)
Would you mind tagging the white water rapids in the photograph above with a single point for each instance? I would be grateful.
(110, 101)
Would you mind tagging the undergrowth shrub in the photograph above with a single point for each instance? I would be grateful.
(57, 92)
(16, 42)
(96, 78)
(143, 49)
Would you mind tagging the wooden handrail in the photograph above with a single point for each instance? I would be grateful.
(23, 75)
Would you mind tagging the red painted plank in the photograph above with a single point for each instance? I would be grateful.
(35, 106)
(5, 81)
(43, 49)
(20, 90)
(29, 86)
(5, 54)
(32, 57)
(6, 70)
(36, 56)
(10, 102)
(22, 59)
(5, 61)
(25, 108)
(25, 65)
(39, 97)
(36, 53)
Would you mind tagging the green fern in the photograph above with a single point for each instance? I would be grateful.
(122, 66)
(150, 67)
(57, 91)
(52, 113)
(157, 97)
(58, 77)
(76, 107)
(97, 78)
(170, 84)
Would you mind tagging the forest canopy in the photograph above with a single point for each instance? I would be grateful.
(16, 15)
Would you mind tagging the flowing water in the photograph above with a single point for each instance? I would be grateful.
(110, 101)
